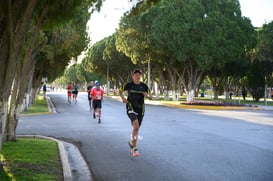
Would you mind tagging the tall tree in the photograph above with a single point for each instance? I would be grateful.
(175, 34)
(16, 17)
(192, 37)
(265, 48)
(229, 37)
(117, 62)
(261, 70)
(19, 18)
(94, 61)
(256, 79)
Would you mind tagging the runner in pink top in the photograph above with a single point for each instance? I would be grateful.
(97, 96)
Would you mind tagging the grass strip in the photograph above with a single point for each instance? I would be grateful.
(235, 100)
(39, 106)
(206, 107)
(31, 159)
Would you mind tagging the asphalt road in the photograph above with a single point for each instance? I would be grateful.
(174, 144)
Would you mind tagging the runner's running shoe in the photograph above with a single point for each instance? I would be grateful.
(134, 152)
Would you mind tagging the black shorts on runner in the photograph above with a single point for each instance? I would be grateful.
(96, 104)
(133, 116)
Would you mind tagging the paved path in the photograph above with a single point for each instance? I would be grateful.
(175, 144)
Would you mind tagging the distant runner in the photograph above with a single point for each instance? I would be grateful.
(69, 93)
(97, 97)
(89, 88)
(75, 92)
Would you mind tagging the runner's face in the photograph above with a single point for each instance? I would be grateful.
(136, 77)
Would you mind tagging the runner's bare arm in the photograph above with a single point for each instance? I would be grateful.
(147, 96)
(124, 100)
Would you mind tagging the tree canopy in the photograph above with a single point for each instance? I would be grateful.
(37, 39)
(183, 42)
(192, 37)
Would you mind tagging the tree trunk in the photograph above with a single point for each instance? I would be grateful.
(9, 134)
(11, 125)
(3, 117)
(173, 81)
(24, 74)
(194, 75)
(161, 83)
(30, 91)
(17, 23)
(215, 92)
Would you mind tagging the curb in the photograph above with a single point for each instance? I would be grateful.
(78, 166)
(50, 105)
(67, 174)
(74, 165)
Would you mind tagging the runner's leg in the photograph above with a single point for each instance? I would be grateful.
(99, 115)
(75, 98)
(135, 125)
(94, 109)
(90, 107)
(69, 98)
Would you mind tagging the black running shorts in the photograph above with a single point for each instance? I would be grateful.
(96, 104)
(133, 116)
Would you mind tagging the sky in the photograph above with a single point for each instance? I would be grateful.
(105, 23)
(259, 11)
